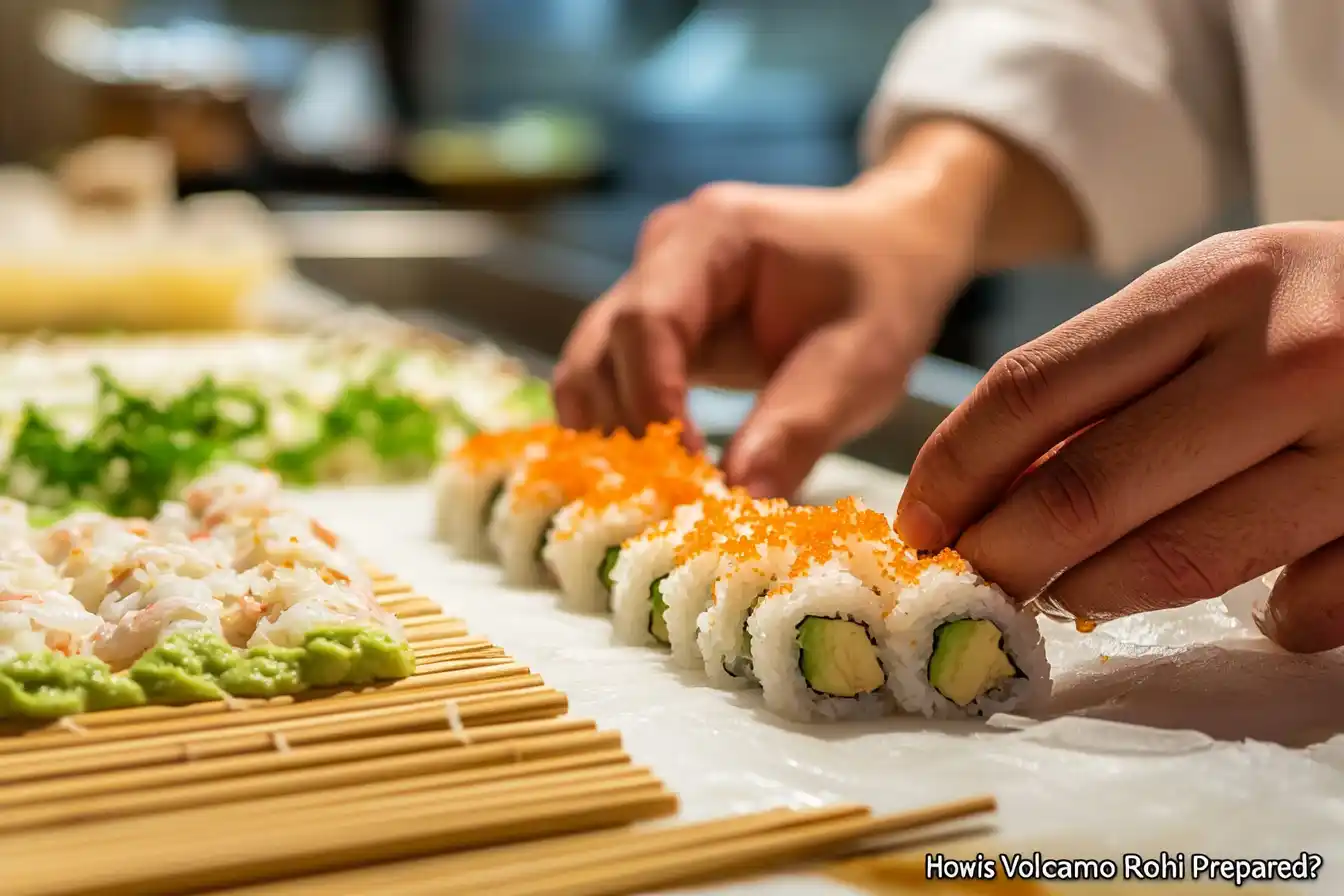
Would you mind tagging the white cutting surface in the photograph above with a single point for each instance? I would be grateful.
(1192, 735)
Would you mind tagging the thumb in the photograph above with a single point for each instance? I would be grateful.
(1305, 612)
(835, 385)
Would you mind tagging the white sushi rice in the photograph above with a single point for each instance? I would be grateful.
(828, 592)
(462, 506)
(577, 544)
(643, 560)
(688, 591)
(722, 635)
(943, 595)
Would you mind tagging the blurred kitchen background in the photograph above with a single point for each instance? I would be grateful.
(549, 128)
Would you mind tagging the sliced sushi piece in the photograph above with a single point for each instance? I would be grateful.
(584, 543)
(958, 647)
(816, 648)
(470, 480)
(637, 577)
(727, 534)
(570, 467)
(793, 542)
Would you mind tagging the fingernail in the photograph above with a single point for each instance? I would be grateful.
(760, 487)
(1266, 620)
(920, 527)
(1051, 609)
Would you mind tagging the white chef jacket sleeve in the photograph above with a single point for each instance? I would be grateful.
(1134, 104)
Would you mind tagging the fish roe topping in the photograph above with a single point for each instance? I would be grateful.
(947, 559)
(573, 465)
(655, 469)
(504, 446)
(729, 523)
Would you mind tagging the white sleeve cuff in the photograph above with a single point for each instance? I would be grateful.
(1099, 114)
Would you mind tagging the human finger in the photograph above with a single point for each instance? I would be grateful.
(583, 381)
(1272, 514)
(1305, 611)
(1038, 395)
(1208, 424)
(832, 387)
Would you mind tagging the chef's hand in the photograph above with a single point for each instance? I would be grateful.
(1199, 422)
(822, 298)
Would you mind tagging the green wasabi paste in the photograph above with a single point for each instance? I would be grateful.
(48, 685)
(353, 655)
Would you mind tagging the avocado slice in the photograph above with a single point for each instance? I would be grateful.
(609, 558)
(838, 657)
(657, 607)
(968, 660)
(545, 533)
(490, 503)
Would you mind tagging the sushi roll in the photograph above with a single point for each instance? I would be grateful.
(790, 544)
(816, 639)
(571, 466)
(585, 540)
(469, 482)
(726, 535)
(646, 560)
(959, 648)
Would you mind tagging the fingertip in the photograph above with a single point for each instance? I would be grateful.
(920, 526)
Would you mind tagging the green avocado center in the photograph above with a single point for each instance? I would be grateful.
(838, 657)
(658, 607)
(490, 503)
(968, 660)
(605, 569)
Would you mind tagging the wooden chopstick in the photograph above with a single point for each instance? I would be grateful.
(753, 854)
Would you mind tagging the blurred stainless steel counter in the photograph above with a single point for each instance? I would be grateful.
(473, 276)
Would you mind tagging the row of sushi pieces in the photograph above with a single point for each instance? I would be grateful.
(225, 593)
(822, 607)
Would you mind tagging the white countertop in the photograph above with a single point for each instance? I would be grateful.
(1098, 782)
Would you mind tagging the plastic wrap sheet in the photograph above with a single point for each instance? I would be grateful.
(1179, 731)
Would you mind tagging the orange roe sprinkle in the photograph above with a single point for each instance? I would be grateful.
(1085, 626)
(504, 446)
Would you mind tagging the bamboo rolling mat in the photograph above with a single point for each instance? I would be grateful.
(467, 775)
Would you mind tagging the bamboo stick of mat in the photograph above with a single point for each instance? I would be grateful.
(140, 867)
(407, 775)
(516, 706)
(236, 825)
(240, 777)
(159, 721)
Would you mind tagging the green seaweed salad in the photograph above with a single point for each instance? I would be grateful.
(138, 448)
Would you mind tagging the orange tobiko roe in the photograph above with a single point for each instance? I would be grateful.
(507, 445)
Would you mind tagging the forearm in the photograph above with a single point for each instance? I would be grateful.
(1000, 206)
